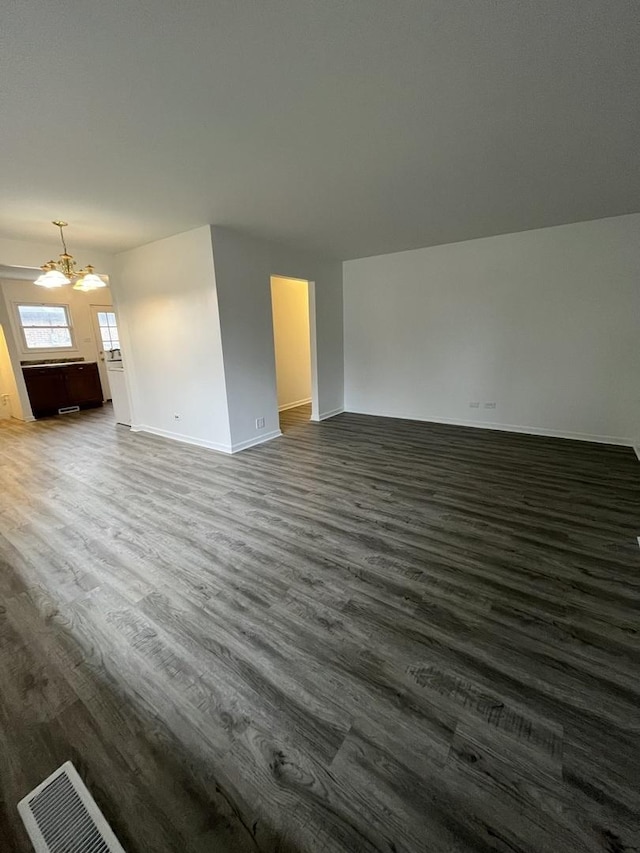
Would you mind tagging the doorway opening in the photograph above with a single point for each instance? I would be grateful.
(293, 311)
(9, 397)
(55, 350)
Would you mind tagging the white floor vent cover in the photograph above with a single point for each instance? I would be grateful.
(61, 816)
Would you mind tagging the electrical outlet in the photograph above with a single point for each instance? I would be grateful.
(489, 405)
(474, 405)
(177, 417)
(259, 423)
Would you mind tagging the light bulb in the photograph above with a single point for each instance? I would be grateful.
(90, 281)
(51, 278)
(94, 281)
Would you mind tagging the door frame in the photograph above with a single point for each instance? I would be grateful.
(313, 344)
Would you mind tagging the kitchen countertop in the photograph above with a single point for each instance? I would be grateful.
(56, 364)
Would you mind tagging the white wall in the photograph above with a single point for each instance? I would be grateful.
(168, 314)
(244, 267)
(544, 323)
(290, 305)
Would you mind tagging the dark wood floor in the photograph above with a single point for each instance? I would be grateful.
(367, 635)
(291, 419)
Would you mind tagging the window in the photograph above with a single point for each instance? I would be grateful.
(45, 326)
(108, 330)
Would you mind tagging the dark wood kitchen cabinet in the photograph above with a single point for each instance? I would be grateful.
(62, 386)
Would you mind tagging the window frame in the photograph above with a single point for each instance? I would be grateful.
(23, 338)
(104, 309)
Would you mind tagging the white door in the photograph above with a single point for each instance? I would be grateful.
(105, 329)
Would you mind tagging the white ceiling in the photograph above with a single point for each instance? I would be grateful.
(353, 127)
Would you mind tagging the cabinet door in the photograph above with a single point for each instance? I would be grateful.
(46, 389)
(83, 384)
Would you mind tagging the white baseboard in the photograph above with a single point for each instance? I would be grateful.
(252, 442)
(637, 450)
(184, 439)
(526, 430)
(294, 405)
(324, 415)
(209, 445)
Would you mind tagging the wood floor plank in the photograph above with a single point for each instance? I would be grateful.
(367, 635)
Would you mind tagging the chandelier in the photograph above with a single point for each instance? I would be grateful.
(63, 271)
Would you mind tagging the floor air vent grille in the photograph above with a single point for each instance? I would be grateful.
(61, 816)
